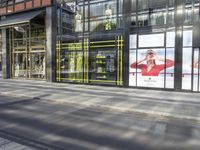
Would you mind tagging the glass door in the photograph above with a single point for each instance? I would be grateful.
(19, 42)
(20, 65)
(37, 51)
(28, 50)
(196, 69)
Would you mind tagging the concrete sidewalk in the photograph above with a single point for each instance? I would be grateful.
(162, 104)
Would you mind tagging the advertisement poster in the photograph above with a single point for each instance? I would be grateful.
(150, 67)
(151, 40)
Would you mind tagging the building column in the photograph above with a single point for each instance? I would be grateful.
(51, 32)
(126, 27)
(179, 5)
(5, 54)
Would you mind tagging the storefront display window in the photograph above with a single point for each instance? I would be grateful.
(102, 65)
(70, 63)
(70, 21)
(103, 16)
(151, 66)
(94, 61)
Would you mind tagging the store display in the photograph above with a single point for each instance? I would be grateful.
(108, 13)
(78, 22)
(71, 65)
(102, 65)
(20, 65)
(79, 65)
(38, 65)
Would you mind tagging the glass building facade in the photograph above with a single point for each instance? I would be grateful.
(133, 43)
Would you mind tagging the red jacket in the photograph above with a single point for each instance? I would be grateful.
(155, 70)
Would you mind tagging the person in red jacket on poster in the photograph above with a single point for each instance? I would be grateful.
(151, 68)
(196, 64)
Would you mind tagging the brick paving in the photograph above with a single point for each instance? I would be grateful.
(10, 145)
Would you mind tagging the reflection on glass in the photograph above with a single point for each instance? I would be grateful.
(103, 16)
(38, 65)
(78, 22)
(71, 63)
(20, 65)
(152, 13)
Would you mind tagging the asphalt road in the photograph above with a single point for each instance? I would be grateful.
(42, 124)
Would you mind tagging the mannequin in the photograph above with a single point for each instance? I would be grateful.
(78, 20)
(108, 13)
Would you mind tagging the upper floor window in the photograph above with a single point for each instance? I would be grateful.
(152, 12)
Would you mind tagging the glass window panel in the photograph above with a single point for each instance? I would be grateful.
(103, 15)
(157, 3)
(188, 15)
(171, 3)
(158, 18)
(187, 69)
(152, 40)
(187, 38)
(134, 5)
(20, 65)
(132, 71)
(196, 13)
(170, 55)
(170, 39)
(102, 65)
(143, 19)
(71, 62)
(143, 4)
(196, 67)
(133, 41)
(170, 17)
(133, 20)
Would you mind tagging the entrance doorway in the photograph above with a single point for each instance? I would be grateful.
(28, 51)
(196, 70)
